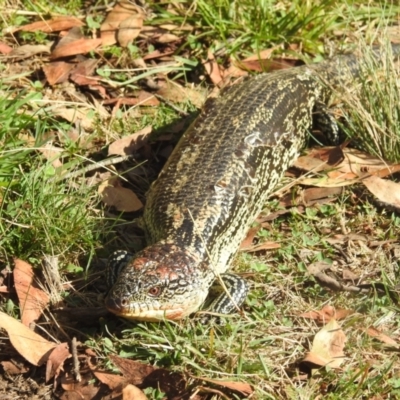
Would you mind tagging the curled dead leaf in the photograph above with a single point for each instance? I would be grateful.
(52, 25)
(328, 345)
(385, 190)
(377, 334)
(32, 299)
(129, 144)
(56, 360)
(213, 70)
(178, 94)
(133, 370)
(125, 15)
(131, 392)
(80, 46)
(129, 30)
(115, 195)
(29, 50)
(33, 347)
(327, 313)
(57, 72)
(168, 38)
(113, 381)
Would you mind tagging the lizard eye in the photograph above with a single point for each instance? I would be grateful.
(154, 291)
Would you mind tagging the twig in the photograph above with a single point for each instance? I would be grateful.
(94, 166)
(74, 346)
(170, 104)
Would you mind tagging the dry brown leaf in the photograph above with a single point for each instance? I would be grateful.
(115, 195)
(354, 165)
(157, 54)
(311, 195)
(12, 369)
(327, 312)
(328, 280)
(212, 68)
(385, 190)
(235, 72)
(131, 392)
(266, 65)
(32, 299)
(147, 99)
(82, 115)
(111, 380)
(52, 154)
(129, 30)
(262, 246)
(319, 159)
(80, 74)
(29, 344)
(122, 11)
(129, 144)
(247, 242)
(168, 38)
(241, 387)
(57, 72)
(327, 182)
(81, 46)
(29, 50)
(5, 48)
(52, 25)
(56, 360)
(178, 94)
(132, 370)
(328, 345)
(72, 35)
(348, 275)
(83, 390)
(375, 333)
(262, 55)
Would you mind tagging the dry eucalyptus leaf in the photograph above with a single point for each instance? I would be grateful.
(113, 381)
(80, 46)
(82, 115)
(131, 392)
(129, 144)
(115, 195)
(57, 72)
(385, 190)
(56, 360)
(375, 333)
(179, 94)
(125, 13)
(327, 312)
(328, 345)
(129, 30)
(33, 347)
(29, 50)
(52, 25)
(213, 70)
(32, 299)
(168, 38)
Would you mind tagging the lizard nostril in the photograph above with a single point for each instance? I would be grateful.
(116, 305)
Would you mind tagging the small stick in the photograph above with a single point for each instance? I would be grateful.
(94, 166)
(74, 346)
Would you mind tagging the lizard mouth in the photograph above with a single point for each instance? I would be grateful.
(144, 312)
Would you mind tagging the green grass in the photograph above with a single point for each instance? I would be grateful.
(38, 215)
(240, 27)
(41, 215)
(372, 113)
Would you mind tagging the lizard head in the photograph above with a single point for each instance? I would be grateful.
(163, 281)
